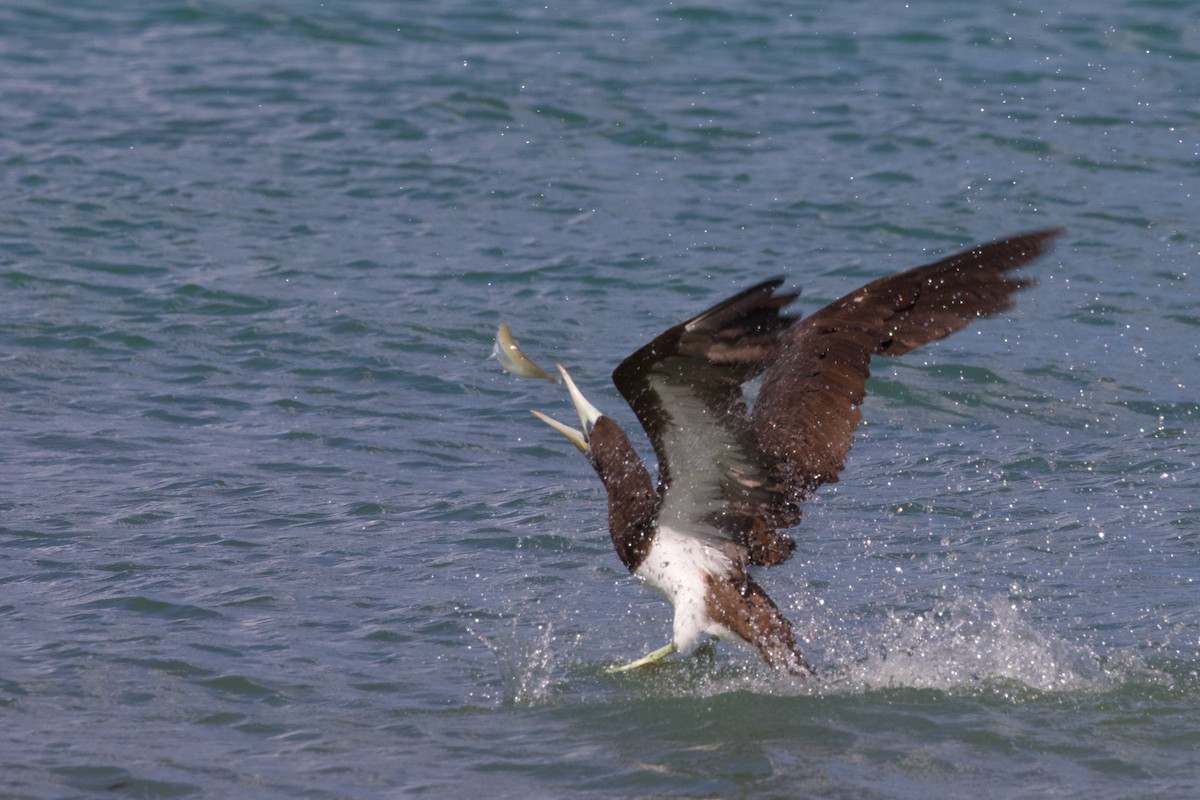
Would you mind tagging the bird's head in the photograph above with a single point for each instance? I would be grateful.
(589, 416)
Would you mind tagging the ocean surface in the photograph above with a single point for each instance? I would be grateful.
(273, 526)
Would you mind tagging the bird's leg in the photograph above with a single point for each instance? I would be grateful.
(650, 658)
(705, 653)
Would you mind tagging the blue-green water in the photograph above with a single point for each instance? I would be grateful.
(272, 526)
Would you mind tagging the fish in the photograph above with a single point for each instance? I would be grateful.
(509, 354)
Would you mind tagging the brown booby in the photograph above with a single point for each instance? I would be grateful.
(730, 477)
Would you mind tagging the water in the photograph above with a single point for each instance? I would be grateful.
(273, 526)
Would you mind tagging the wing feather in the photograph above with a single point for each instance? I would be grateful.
(734, 477)
(686, 389)
(808, 407)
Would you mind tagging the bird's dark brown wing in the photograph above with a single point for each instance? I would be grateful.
(686, 389)
(808, 406)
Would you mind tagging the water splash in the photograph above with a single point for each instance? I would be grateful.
(527, 665)
(965, 644)
(977, 643)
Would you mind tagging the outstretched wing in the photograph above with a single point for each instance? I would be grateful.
(808, 407)
(686, 389)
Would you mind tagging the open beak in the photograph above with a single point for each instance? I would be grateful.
(588, 415)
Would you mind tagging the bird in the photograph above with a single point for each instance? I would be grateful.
(732, 476)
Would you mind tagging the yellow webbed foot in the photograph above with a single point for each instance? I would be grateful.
(650, 658)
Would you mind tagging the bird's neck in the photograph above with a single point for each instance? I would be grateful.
(632, 498)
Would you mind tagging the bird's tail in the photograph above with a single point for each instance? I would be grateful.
(741, 605)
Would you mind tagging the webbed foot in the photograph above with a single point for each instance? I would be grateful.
(650, 658)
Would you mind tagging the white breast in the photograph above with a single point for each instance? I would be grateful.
(676, 567)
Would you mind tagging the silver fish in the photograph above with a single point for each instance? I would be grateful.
(513, 360)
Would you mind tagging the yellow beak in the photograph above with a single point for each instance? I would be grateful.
(588, 415)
